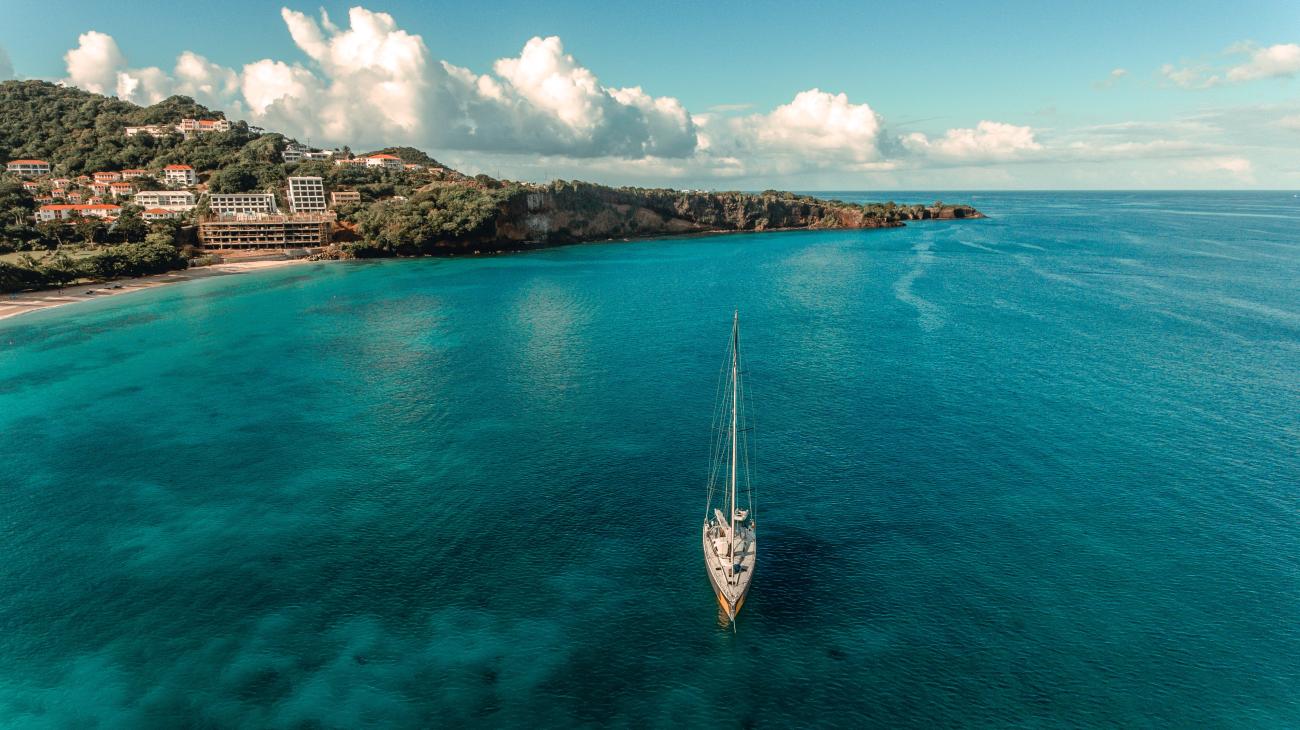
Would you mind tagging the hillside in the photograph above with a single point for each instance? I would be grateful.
(424, 208)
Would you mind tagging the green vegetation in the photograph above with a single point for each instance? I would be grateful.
(440, 216)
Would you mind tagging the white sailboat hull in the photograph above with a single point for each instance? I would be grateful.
(731, 575)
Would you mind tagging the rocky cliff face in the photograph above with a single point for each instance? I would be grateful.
(571, 212)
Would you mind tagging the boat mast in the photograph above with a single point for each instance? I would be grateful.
(735, 389)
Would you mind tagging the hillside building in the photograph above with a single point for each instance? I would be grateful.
(180, 201)
(182, 176)
(275, 231)
(28, 168)
(306, 195)
(64, 211)
(226, 205)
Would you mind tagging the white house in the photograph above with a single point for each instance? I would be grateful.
(179, 175)
(192, 126)
(64, 211)
(174, 200)
(306, 195)
(237, 204)
(388, 162)
(121, 189)
(28, 168)
(159, 214)
(153, 130)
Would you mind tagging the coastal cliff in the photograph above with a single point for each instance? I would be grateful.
(574, 211)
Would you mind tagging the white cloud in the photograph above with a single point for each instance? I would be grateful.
(1291, 122)
(1281, 60)
(95, 62)
(988, 141)
(1235, 168)
(1277, 61)
(1112, 78)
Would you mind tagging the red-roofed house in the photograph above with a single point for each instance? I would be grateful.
(179, 175)
(107, 177)
(28, 168)
(191, 126)
(159, 214)
(388, 162)
(132, 174)
(99, 188)
(119, 189)
(31, 186)
(61, 211)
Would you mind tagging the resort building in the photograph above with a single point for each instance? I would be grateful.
(175, 200)
(153, 130)
(179, 175)
(120, 189)
(159, 214)
(224, 205)
(297, 153)
(306, 195)
(388, 162)
(98, 188)
(132, 174)
(344, 196)
(31, 186)
(277, 231)
(63, 211)
(106, 177)
(188, 127)
(28, 168)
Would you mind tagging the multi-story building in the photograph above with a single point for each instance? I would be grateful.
(132, 174)
(297, 153)
(31, 186)
(306, 195)
(106, 177)
(176, 200)
(98, 188)
(159, 214)
(344, 196)
(28, 168)
(182, 176)
(121, 189)
(63, 211)
(275, 231)
(388, 162)
(193, 126)
(224, 205)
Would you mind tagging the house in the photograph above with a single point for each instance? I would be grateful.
(340, 162)
(31, 186)
(153, 130)
(181, 176)
(59, 193)
(344, 196)
(61, 182)
(159, 214)
(119, 189)
(62, 211)
(28, 168)
(175, 200)
(132, 174)
(73, 196)
(242, 204)
(412, 166)
(98, 188)
(107, 177)
(306, 195)
(388, 162)
(188, 127)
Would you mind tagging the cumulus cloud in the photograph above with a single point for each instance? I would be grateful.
(1277, 61)
(1112, 78)
(988, 141)
(95, 62)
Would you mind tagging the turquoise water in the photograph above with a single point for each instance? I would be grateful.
(1040, 469)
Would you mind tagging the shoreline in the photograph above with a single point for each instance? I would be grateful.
(14, 305)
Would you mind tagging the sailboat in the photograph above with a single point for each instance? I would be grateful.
(730, 540)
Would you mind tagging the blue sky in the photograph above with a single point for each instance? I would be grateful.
(1190, 94)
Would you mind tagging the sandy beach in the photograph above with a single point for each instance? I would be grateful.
(12, 305)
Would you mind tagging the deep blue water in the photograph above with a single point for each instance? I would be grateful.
(1041, 469)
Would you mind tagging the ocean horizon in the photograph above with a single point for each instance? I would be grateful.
(1037, 469)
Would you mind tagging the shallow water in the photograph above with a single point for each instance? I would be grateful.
(1038, 469)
